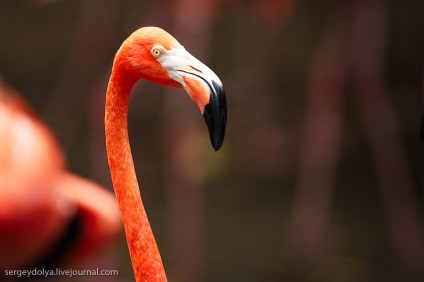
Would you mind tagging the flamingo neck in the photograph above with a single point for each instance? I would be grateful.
(145, 257)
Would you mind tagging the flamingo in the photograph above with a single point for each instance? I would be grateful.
(152, 54)
(48, 216)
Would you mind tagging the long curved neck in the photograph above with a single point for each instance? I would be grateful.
(145, 257)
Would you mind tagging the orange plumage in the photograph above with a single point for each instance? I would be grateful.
(40, 200)
(152, 54)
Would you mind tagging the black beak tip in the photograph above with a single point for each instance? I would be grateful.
(215, 115)
(216, 143)
(216, 130)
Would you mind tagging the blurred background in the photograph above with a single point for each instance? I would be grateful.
(320, 176)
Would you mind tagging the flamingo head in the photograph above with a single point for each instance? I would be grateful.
(152, 54)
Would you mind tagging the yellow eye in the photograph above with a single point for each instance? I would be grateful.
(156, 52)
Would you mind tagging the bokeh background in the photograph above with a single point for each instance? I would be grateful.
(320, 176)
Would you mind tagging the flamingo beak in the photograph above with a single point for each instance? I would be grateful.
(209, 95)
(215, 115)
(204, 88)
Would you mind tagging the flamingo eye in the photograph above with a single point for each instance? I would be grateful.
(156, 52)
